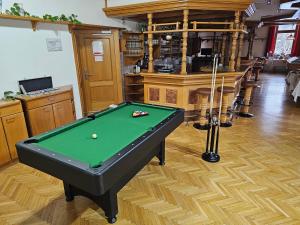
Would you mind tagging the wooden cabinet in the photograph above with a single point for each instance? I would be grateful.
(16, 130)
(63, 112)
(134, 88)
(48, 111)
(132, 46)
(12, 129)
(4, 151)
(41, 119)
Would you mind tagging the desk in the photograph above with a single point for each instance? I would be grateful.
(99, 168)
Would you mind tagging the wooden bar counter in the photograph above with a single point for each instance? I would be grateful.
(169, 19)
(179, 90)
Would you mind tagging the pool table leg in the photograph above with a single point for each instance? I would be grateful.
(161, 154)
(110, 205)
(108, 201)
(68, 192)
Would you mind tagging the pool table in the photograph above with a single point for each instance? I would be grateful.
(99, 167)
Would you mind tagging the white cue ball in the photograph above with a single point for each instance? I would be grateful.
(94, 136)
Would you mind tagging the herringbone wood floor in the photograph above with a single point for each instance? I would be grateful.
(257, 180)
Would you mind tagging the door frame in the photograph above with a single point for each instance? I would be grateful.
(116, 64)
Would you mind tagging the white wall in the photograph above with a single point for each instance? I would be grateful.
(260, 43)
(23, 52)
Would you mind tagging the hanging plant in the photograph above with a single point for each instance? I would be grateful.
(17, 10)
(50, 17)
(63, 17)
(73, 19)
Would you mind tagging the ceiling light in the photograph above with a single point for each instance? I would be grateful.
(251, 10)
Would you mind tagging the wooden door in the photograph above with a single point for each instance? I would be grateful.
(41, 120)
(100, 75)
(63, 113)
(4, 152)
(15, 130)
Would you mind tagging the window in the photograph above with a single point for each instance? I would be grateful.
(287, 27)
(285, 39)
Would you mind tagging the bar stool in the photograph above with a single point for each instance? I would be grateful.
(202, 103)
(249, 85)
(225, 105)
(248, 74)
(256, 71)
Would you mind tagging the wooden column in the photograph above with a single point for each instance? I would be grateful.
(251, 41)
(234, 41)
(185, 39)
(223, 50)
(241, 45)
(150, 43)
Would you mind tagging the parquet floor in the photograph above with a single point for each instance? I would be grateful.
(257, 180)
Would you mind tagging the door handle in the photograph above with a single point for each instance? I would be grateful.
(85, 75)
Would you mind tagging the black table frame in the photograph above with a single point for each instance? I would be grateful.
(102, 184)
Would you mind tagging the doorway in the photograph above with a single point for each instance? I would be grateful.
(97, 56)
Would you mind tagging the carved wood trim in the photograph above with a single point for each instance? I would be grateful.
(174, 5)
(154, 94)
(193, 97)
(171, 96)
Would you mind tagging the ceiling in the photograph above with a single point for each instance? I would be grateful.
(275, 8)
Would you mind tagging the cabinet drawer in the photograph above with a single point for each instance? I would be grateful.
(15, 130)
(10, 109)
(48, 100)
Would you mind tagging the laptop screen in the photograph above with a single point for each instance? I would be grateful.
(36, 84)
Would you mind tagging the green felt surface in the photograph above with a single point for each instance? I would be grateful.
(115, 130)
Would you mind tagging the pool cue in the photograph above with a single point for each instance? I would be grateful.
(210, 110)
(212, 92)
(208, 134)
(210, 154)
(213, 117)
(219, 119)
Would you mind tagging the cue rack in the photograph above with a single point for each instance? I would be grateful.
(211, 153)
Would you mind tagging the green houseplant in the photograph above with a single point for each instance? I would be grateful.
(17, 10)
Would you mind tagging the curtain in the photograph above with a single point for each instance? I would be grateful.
(296, 43)
(272, 39)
